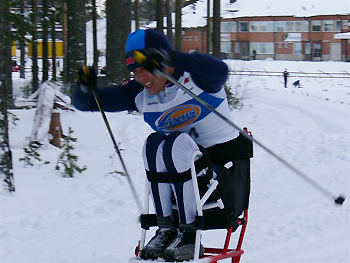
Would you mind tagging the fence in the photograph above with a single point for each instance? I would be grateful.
(296, 74)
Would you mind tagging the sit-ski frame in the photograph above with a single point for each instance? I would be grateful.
(211, 255)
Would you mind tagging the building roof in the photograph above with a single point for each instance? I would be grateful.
(194, 15)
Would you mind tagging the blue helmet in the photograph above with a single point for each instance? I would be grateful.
(142, 39)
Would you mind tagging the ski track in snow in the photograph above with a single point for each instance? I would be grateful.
(93, 217)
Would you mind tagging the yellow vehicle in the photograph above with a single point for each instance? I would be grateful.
(59, 48)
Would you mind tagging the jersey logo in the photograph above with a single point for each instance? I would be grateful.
(178, 117)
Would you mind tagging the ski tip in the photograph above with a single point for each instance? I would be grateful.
(340, 200)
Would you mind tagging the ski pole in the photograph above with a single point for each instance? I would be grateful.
(338, 200)
(99, 105)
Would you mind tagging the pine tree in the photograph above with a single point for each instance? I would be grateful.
(31, 153)
(67, 160)
(5, 96)
(76, 52)
(216, 28)
(233, 101)
(118, 28)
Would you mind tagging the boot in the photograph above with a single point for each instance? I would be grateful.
(162, 239)
(182, 248)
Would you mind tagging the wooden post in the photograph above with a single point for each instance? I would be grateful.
(55, 129)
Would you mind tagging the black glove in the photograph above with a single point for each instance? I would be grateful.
(87, 76)
(152, 58)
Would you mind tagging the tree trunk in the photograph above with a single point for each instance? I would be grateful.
(169, 22)
(45, 48)
(151, 8)
(118, 28)
(94, 33)
(76, 54)
(5, 79)
(216, 28)
(159, 15)
(208, 27)
(53, 37)
(22, 44)
(65, 41)
(55, 129)
(35, 69)
(137, 14)
(178, 26)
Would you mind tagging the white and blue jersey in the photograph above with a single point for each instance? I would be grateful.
(175, 110)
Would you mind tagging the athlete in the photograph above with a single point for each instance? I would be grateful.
(182, 126)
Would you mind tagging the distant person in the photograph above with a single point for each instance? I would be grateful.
(254, 54)
(296, 84)
(285, 77)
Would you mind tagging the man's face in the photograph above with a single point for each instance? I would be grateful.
(152, 83)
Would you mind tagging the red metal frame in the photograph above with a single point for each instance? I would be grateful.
(216, 254)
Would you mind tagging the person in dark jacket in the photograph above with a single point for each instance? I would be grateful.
(254, 54)
(182, 126)
(296, 84)
(285, 77)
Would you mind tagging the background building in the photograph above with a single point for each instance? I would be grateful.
(285, 30)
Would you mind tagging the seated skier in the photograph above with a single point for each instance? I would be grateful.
(182, 126)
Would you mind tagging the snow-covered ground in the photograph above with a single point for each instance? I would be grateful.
(94, 218)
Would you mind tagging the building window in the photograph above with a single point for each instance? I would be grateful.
(243, 26)
(286, 45)
(316, 25)
(225, 47)
(307, 48)
(338, 26)
(270, 26)
(345, 24)
(196, 38)
(185, 38)
(317, 50)
(227, 27)
(237, 48)
(281, 25)
(245, 49)
(263, 48)
(190, 38)
(254, 26)
(290, 26)
(298, 26)
(296, 48)
(261, 26)
(301, 26)
(328, 25)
